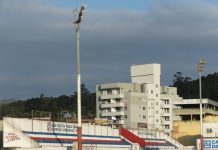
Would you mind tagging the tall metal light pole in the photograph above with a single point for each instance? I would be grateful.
(200, 69)
(77, 26)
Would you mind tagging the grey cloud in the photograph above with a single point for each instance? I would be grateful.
(37, 44)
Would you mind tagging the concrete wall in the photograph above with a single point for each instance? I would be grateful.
(1, 133)
(90, 147)
(210, 130)
(136, 109)
(60, 127)
(187, 132)
(21, 132)
(211, 119)
(146, 73)
(1, 125)
(1, 139)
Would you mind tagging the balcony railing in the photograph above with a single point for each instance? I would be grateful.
(189, 111)
(110, 96)
(121, 121)
(117, 113)
(108, 105)
(165, 114)
(165, 105)
(166, 122)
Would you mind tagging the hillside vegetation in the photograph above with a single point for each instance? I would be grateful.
(64, 103)
(187, 88)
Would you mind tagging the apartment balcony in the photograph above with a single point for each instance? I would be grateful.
(165, 114)
(121, 122)
(194, 111)
(111, 96)
(166, 106)
(166, 122)
(167, 130)
(108, 105)
(117, 113)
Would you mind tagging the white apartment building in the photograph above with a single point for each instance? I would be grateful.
(168, 96)
(148, 76)
(140, 104)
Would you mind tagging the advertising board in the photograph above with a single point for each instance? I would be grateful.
(211, 144)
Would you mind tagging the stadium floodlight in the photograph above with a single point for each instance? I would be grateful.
(200, 69)
(79, 15)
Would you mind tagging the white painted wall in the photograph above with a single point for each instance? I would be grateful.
(1, 125)
(210, 130)
(14, 136)
(146, 73)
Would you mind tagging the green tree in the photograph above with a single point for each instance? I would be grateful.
(188, 88)
(52, 104)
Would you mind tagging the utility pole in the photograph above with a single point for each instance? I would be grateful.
(79, 14)
(200, 69)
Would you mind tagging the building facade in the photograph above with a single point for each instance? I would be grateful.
(143, 103)
(186, 125)
(188, 109)
(168, 96)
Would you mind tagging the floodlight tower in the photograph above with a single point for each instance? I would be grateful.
(79, 15)
(200, 69)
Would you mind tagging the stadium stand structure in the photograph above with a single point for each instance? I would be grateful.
(155, 141)
(21, 133)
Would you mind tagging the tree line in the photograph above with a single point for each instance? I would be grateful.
(59, 104)
(186, 88)
(189, 88)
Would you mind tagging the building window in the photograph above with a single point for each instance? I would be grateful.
(109, 92)
(142, 88)
(151, 91)
(156, 112)
(156, 103)
(144, 100)
(167, 118)
(167, 127)
(121, 91)
(156, 85)
(156, 95)
(166, 110)
(144, 108)
(118, 109)
(104, 92)
(126, 116)
(209, 130)
(166, 101)
(157, 120)
(144, 117)
(114, 91)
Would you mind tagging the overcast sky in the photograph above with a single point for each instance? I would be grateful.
(38, 51)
